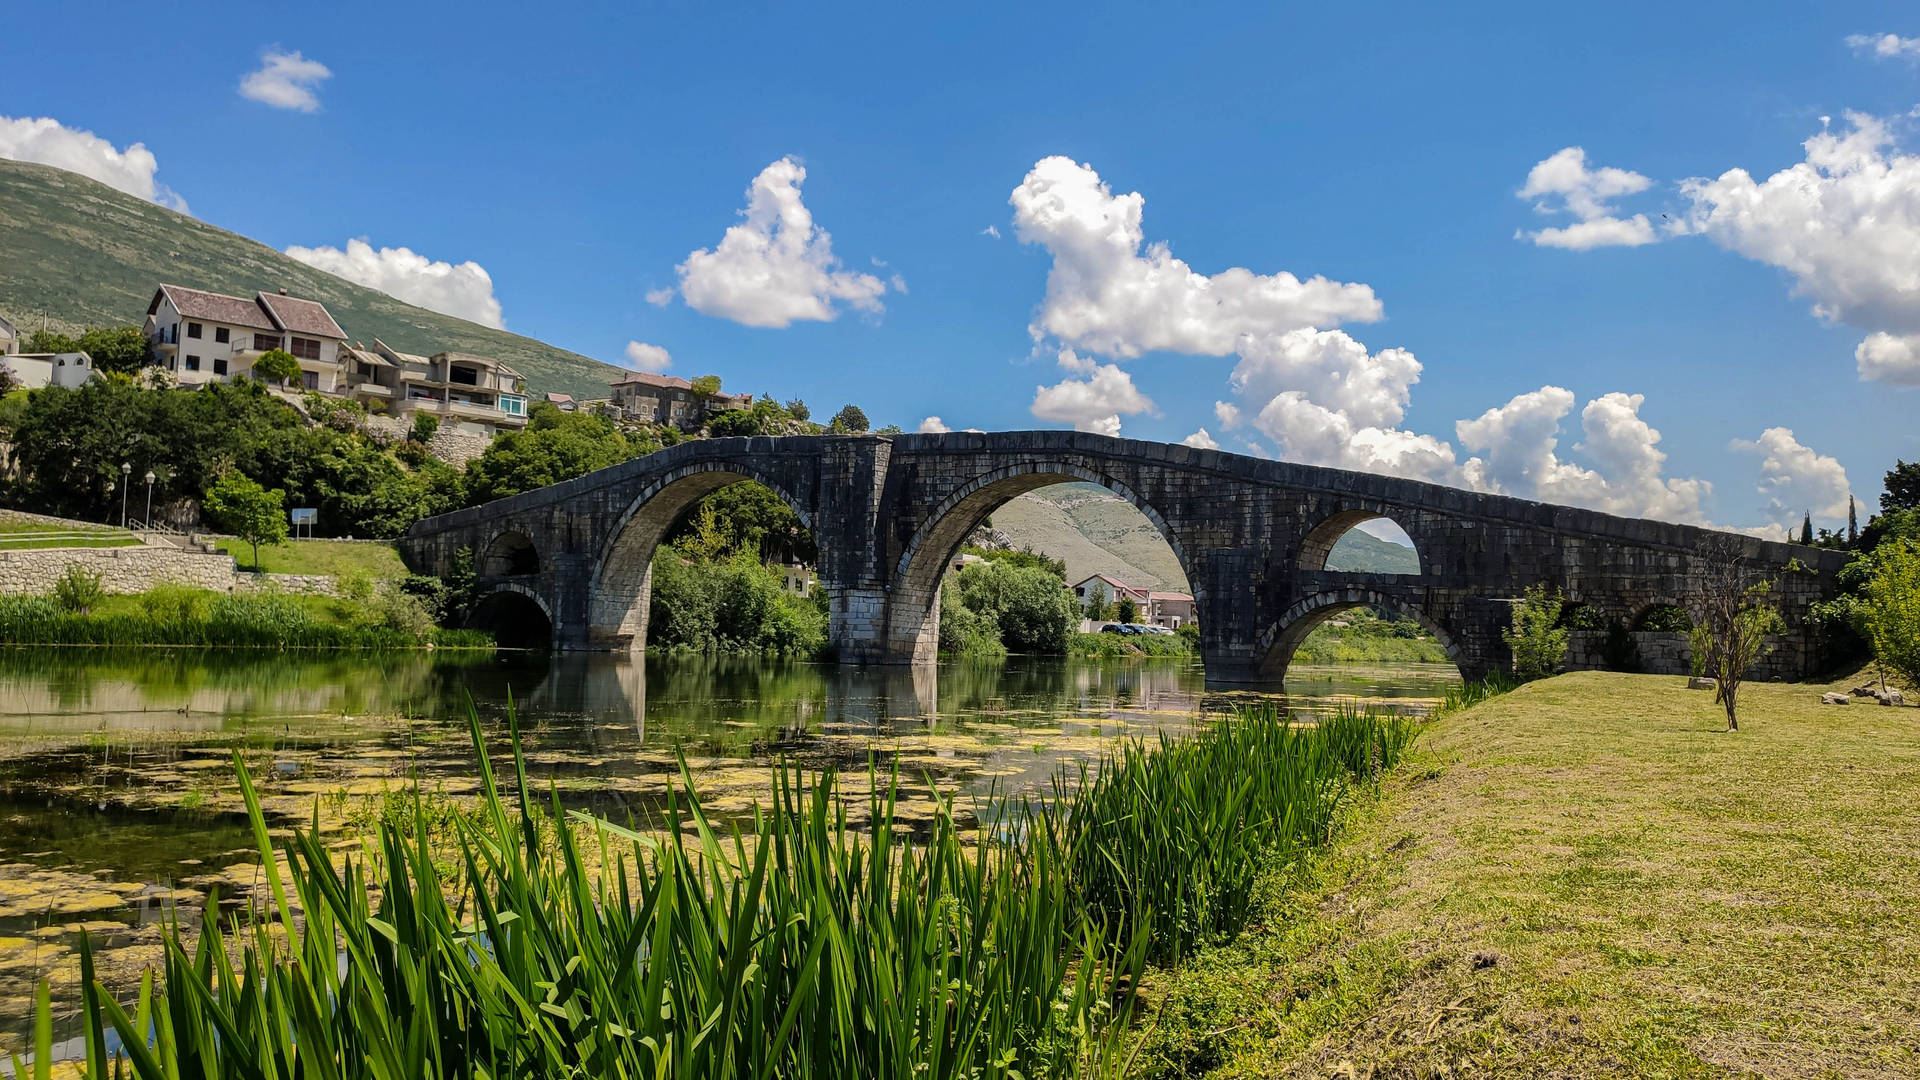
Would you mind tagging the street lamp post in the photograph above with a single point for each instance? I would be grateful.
(149, 498)
(126, 470)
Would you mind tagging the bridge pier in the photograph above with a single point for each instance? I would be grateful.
(857, 624)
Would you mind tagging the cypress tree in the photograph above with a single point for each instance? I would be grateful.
(1806, 529)
(1853, 524)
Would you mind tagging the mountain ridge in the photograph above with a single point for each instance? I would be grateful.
(80, 253)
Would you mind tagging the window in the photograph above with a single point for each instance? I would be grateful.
(219, 365)
(463, 376)
(514, 406)
(221, 334)
(193, 362)
(193, 329)
(305, 348)
(263, 342)
(312, 379)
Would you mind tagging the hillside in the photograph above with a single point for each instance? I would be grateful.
(79, 253)
(1095, 531)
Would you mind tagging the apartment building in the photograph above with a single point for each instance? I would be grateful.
(204, 337)
(668, 399)
(473, 395)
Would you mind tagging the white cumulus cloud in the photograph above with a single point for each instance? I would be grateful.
(776, 267)
(1200, 440)
(1563, 184)
(1885, 46)
(46, 141)
(1112, 293)
(285, 80)
(1795, 480)
(933, 425)
(645, 357)
(463, 290)
(1845, 224)
(1518, 444)
(1095, 403)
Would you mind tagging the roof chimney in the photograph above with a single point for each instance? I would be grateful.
(283, 290)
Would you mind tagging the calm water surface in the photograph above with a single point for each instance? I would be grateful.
(117, 800)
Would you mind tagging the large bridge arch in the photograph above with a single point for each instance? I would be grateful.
(619, 597)
(1284, 637)
(913, 616)
(516, 615)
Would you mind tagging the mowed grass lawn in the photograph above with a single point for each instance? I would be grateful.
(1588, 877)
(331, 557)
(33, 535)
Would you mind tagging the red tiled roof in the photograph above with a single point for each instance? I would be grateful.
(301, 316)
(213, 307)
(1178, 596)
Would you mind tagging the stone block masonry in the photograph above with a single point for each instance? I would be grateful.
(888, 513)
(121, 569)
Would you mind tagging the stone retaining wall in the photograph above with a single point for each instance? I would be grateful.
(1669, 652)
(303, 584)
(121, 569)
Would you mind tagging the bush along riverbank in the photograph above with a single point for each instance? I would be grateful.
(1185, 642)
(792, 946)
(1361, 636)
(76, 613)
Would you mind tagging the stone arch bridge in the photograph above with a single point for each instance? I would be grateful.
(889, 512)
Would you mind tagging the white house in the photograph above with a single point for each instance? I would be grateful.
(37, 370)
(205, 337)
(472, 395)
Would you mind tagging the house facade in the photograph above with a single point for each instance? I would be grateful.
(468, 394)
(1156, 607)
(34, 371)
(202, 337)
(9, 338)
(647, 398)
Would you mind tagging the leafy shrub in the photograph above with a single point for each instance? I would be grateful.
(1666, 618)
(1539, 645)
(77, 591)
(175, 603)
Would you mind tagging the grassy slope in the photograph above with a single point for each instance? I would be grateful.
(79, 253)
(1591, 879)
(321, 557)
(31, 535)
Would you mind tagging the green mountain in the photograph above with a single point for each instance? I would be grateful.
(79, 253)
(1359, 552)
(1094, 531)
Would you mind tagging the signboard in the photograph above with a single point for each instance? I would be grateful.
(303, 515)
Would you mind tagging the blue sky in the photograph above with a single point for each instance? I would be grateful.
(582, 156)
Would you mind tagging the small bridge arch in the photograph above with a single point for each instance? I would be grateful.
(1287, 633)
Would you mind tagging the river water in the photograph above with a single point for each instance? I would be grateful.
(118, 803)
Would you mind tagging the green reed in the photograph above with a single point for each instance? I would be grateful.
(1473, 692)
(795, 944)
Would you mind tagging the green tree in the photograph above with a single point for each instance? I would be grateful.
(248, 511)
(425, 426)
(1853, 524)
(705, 386)
(277, 365)
(1537, 640)
(1737, 614)
(1126, 610)
(799, 411)
(117, 348)
(554, 446)
(1031, 609)
(850, 420)
(49, 341)
(1806, 529)
(1890, 611)
(1903, 487)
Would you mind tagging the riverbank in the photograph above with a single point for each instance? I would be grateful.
(1587, 877)
(172, 615)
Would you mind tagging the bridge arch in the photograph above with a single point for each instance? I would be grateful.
(1283, 638)
(1321, 539)
(622, 578)
(913, 607)
(511, 553)
(517, 616)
